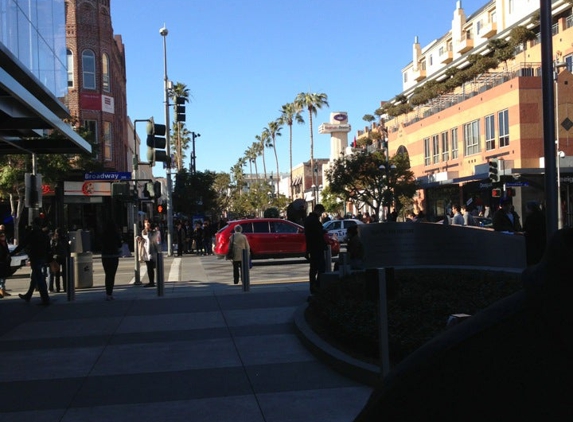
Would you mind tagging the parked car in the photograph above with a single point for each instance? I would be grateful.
(18, 261)
(339, 227)
(269, 238)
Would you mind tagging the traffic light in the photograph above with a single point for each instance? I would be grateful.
(493, 169)
(33, 190)
(179, 109)
(156, 142)
(496, 193)
(160, 209)
(157, 190)
(510, 191)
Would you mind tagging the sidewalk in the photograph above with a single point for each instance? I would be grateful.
(205, 351)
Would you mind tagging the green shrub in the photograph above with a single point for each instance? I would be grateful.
(346, 316)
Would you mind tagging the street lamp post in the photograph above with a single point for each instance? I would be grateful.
(163, 32)
(557, 65)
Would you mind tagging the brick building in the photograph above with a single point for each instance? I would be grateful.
(97, 80)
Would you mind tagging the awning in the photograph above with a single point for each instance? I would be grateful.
(28, 111)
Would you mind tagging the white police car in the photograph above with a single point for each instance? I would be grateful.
(339, 227)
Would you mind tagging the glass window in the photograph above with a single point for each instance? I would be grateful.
(349, 223)
(281, 227)
(247, 228)
(471, 138)
(427, 157)
(489, 132)
(260, 227)
(107, 138)
(70, 63)
(455, 142)
(445, 147)
(88, 69)
(92, 135)
(503, 124)
(435, 149)
(105, 73)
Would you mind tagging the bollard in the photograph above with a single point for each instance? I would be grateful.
(160, 274)
(328, 259)
(70, 288)
(245, 271)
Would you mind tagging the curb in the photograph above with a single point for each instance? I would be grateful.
(346, 365)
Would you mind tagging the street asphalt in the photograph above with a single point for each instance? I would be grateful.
(205, 350)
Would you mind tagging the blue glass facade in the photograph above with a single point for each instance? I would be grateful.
(34, 31)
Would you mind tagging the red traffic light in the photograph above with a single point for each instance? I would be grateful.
(496, 193)
(160, 209)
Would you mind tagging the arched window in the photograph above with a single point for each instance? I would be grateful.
(70, 64)
(105, 73)
(89, 69)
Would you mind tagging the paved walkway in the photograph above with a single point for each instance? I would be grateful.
(204, 351)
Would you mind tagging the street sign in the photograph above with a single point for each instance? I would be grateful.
(516, 184)
(108, 175)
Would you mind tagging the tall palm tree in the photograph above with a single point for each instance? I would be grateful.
(256, 147)
(262, 138)
(251, 157)
(180, 90)
(312, 102)
(274, 129)
(290, 113)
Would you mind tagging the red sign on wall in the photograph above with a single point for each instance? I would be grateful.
(90, 101)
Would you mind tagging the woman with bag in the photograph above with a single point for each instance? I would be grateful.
(148, 249)
(237, 244)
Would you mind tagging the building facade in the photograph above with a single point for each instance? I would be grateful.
(452, 135)
(97, 80)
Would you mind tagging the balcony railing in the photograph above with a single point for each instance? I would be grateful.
(481, 84)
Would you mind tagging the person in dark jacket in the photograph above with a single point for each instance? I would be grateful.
(110, 252)
(38, 243)
(4, 264)
(58, 254)
(505, 219)
(315, 246)
(181, 237)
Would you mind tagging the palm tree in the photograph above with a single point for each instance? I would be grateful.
(290, 113)
(180, 90)
(262, 138)
(256, 148)
(251, 157)
(274, 130)
(312, 102)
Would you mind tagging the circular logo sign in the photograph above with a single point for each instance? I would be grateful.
(340, 117)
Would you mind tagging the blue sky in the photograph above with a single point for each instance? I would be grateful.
(243, 59)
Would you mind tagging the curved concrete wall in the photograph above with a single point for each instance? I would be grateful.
(428, 244)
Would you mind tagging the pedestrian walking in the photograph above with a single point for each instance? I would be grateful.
(38, 243)
(238, 242)
(148, 244)
(315, 246)
(110, 253)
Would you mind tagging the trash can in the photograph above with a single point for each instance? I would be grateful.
(83, 269)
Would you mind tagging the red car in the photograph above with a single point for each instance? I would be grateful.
(269, 238)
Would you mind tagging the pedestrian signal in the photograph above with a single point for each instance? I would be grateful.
(493, 169)
(496, 193)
